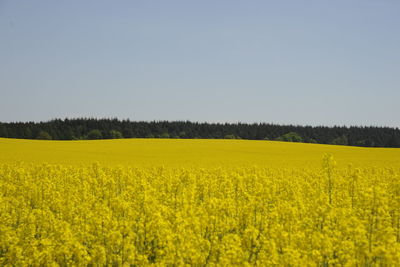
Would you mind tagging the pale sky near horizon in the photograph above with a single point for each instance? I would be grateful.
(287, 62)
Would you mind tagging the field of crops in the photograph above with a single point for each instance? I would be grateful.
(197, 202)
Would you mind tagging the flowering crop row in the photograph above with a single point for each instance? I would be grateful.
(99, 215)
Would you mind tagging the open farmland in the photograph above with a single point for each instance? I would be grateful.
(189, 152)
(197, 202)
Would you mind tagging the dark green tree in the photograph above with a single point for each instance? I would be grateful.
(182, 134)
(341, 140)
(164, 135)
(3, 131)
(69, 129)
(128, 133)
(114, 134)
(290, 137)
(43, 135)
(230, 136)
(394, 141)
(94, 134)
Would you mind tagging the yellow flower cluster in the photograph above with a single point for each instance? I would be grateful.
(55, 214)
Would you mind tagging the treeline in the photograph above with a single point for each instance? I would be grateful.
(89, 128)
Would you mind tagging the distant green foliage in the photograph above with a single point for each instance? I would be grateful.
(290, 137)
(393, 141)
(182, 134)
(43, 135)
(114, 134)
(341, 140)
(230, 136)
(78, 129)
(164, 135)
(94, 134)
(3, 131)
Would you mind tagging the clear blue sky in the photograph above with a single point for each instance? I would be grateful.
(299, 62)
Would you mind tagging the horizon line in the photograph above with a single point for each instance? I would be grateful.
(204, 122)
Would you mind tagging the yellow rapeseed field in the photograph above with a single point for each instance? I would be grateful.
(165, 202)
